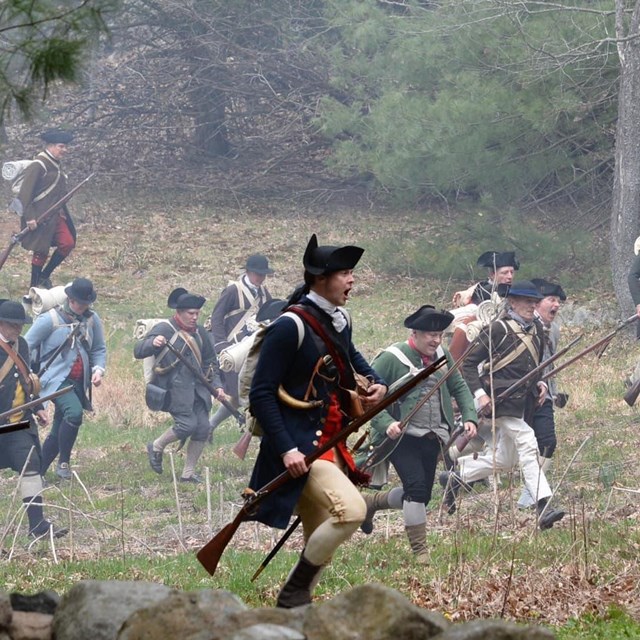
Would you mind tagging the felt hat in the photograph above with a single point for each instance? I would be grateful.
(56, 136)
(258, 264)
(270, 310)
(426, 318)
(524, 289)
(13, 312)
(81, 289)
(547, 288)
(180, 298)
(497, 259)
(321, 260)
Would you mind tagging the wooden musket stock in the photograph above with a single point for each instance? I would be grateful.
(16, 237)
(210, 554)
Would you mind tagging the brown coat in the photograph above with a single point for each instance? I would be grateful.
(37, 181)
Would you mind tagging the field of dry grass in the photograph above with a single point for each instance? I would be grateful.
(128, 523)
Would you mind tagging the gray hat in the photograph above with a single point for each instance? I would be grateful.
(524, 289)
(13, 312)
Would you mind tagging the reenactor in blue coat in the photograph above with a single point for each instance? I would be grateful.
(310, 365)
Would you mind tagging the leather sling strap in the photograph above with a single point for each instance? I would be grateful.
(21, 365)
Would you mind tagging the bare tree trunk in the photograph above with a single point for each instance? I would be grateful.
(625, 216)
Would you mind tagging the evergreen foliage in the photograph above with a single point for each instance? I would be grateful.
(43, 41)
(472, 97)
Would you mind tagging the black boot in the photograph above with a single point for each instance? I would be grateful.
(547, 517)
(36, 270)
(451, 482)
(56, 260)
(38, 526)
(296, 591)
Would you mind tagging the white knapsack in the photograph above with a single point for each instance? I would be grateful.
(14, 172)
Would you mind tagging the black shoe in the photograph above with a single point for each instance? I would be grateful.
(549, 518)
(44, 528)
(155, 458)
(194, 479)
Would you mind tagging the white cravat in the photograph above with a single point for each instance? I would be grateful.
(338, 319)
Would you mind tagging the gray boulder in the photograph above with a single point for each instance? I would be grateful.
(371, 612)
(96, 609)
(496, 630)
(182, 615)
(267, 632)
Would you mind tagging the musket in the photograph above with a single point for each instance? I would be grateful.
(382, 451)
(600, 345)
(534, 372)
(14, 426)
(74, 332)
(33, 403)
(210, 554)
(201, 378)
(17, 237)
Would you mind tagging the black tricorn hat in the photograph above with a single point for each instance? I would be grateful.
(180, 298)
(56, 136)
(258, 264)
(426, 318)
(270, 310)
(13, 312)
(81, 289)
(524, 289)
(547, 288)
(497, 259)
(321, 260)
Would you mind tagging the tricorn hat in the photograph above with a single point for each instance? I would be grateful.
(13, 312)
(321, 260)
(258, 264)
(270, 310)
(81, 289)
(180, 298)
(426, 318)
(547, 288)
(56, 136)
(524, 289)
(497, 259)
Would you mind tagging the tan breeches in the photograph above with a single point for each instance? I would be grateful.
(331, 509)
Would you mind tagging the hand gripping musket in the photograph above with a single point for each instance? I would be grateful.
(17, 237)
(210, 554)
(201, 378)
(34, 403)
(387, 446)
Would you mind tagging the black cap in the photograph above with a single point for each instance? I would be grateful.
(258, 264)
(524, 289)
(547, 288)
(81, 289)
(13, 312)
(426, 318)
(496, 259)
(270, 310)
(180, 298)
(56, 136)
(321, 260)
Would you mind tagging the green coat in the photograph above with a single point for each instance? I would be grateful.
(389, 367)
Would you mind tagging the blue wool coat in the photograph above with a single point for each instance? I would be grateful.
(49, 335)
(281, 362)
